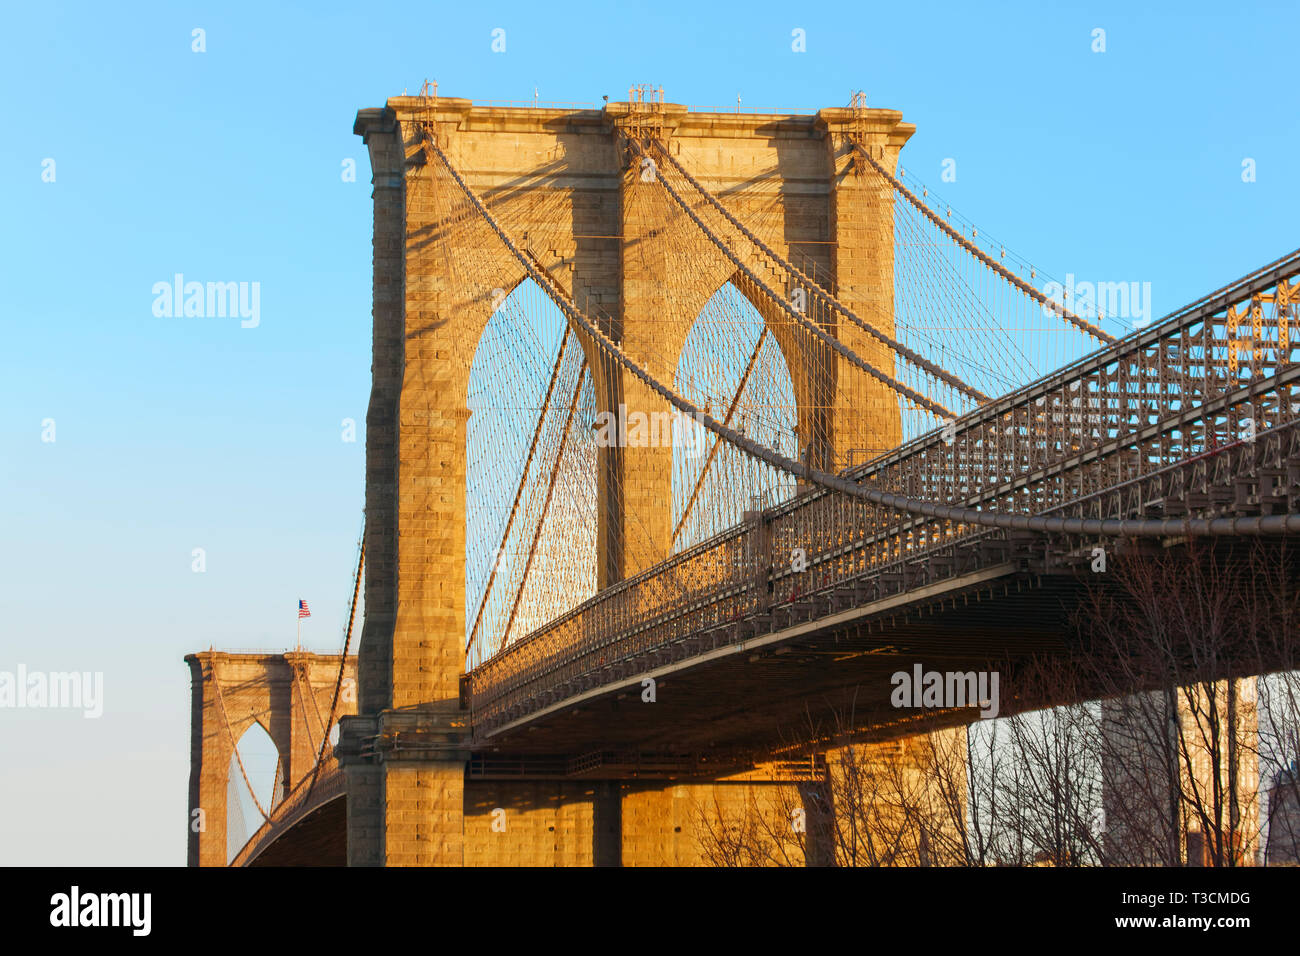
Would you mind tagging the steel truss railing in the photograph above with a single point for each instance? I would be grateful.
(1186, 418)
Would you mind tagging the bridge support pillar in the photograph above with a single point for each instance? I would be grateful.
(408, 813)
(404, 757)
(864, 415)
(817, 800)
(607, 824)
(210, 753)
(423, 813)
(406, 787)
(652, 327)
(365, 820)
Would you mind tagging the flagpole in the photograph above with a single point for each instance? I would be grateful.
(299, 609)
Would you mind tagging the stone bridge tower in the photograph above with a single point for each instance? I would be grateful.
(289, 695)
(405, 753)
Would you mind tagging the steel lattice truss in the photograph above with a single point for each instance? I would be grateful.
(1155, 425)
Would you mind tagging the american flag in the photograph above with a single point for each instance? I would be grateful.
(303, 610)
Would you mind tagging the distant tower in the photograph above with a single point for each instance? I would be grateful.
(1180, 776)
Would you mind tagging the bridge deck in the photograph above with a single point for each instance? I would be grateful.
(1162, 424)
(302, 811)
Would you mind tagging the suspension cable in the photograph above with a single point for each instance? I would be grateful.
(523, 481)
(1004, 273)
(343, 660)
(234, 745)
(1268, 524)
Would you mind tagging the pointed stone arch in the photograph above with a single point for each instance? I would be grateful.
(510, 374)
(752, 371)
(806, 361)
(262, 760)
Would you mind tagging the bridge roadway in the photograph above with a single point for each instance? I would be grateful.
(746, 650)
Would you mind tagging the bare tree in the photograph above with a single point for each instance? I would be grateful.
(1169, 649)
(759, 835)
(884, 803)
(1273, 603)
(1055, 778)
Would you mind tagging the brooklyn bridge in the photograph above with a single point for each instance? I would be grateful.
(689, 428)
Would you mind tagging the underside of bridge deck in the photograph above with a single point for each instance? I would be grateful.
(796, 690)
(320, 839)
(785, 691)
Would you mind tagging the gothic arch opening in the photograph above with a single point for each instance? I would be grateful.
(264, 766)
(732, 366)
(530, 475)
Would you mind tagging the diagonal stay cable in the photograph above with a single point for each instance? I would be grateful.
(541, 520)
(1266, 524)
(975, 251)
(816, 290)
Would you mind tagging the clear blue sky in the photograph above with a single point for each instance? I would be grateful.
(175, 434)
